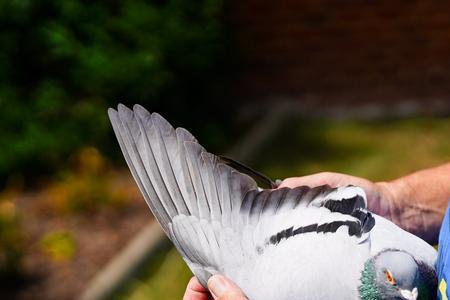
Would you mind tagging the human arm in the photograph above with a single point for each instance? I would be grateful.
(415, 202)
(221, 288)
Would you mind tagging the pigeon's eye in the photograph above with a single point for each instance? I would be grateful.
(389, 277)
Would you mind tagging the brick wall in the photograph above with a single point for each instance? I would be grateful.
(350, 50)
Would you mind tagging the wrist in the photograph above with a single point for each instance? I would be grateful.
(401, 206)
(391, 199)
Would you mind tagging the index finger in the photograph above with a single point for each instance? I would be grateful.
(310, 180)
(195, 291)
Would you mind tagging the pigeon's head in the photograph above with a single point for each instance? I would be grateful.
(394, 274)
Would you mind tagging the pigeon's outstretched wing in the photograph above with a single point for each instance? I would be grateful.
(217, 217)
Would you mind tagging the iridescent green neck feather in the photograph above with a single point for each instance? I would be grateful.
(368, 289)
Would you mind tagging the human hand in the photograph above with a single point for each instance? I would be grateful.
(380, 196)
(414, 202)
(220, 288)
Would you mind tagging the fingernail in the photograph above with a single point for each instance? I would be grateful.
(218, 285)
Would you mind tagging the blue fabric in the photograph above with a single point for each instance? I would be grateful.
(443, 261)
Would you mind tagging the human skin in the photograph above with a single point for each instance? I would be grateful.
(416, 202)
(220, 287)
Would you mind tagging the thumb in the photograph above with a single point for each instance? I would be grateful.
(222, 288)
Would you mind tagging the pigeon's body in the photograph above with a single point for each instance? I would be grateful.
(297, 271)
(302, 243)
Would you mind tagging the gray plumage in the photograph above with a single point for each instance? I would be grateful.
(308, 243)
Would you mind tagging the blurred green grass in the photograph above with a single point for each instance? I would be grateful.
(164, 277)
(377, 150)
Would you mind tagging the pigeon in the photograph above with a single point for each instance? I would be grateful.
(275, 243)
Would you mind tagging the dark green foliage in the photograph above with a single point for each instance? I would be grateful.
(62, 63)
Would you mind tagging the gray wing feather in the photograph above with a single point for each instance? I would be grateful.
(121, 125)
(153, 158)
(212, 187)
(271, 205)
(216, 216)
(240, 185)
(225, 194)
(246, 207)
(154, 152)
(166, 155)
(184, 136)
(196, 168)
(205, 245)
(258, 203)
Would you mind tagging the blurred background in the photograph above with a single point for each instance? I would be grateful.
(290, 88)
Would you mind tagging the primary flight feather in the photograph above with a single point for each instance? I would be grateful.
(301, 243)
